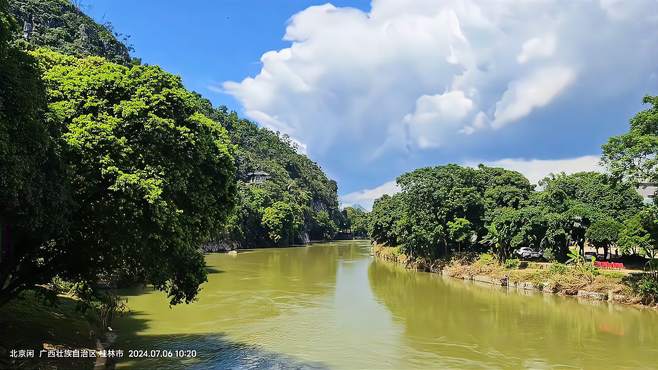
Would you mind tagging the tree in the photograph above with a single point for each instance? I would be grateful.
(357, 221)
(632, 156)
(281, 222)
(641, 232)
(603, 233)
(324, 227)
(600, 192)
(63, 27)
(460, 231)
(385, 214)
(578, 200)
(151, 177)
(294, 179)
(33, 193)
(504, 232)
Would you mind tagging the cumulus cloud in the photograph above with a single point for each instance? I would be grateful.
(532, 92)
(419, 74)
(436, 114)
(533, 169)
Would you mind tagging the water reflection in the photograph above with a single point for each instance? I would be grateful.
(333, 306)
(459, 324)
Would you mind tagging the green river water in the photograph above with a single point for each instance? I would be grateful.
(332, 306)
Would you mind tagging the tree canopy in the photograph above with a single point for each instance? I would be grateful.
(450, 208)
(293, 179)
(63, 27)
(632, 155)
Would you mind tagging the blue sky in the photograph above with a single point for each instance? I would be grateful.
(374, 89)
(206, 42)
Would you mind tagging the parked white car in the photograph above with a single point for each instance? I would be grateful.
(527, 252)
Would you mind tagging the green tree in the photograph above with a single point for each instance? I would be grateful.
(504, 233)
(151, 176)
(603, 233)
(61, 26)
(386, 213)
(34, 199)
(294, 179)
(632, 155)
(357, 221)
(281, 221)
(576, 201)
(324, 226)
(460, 231)
(640, 234)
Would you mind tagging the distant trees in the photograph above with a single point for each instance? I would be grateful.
(282, 222)
(61, 26)
(451, 208)
(356, 220)
(447, 208)
(603, 233)
(294, 180)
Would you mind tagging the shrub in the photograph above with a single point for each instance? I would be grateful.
(647, 287)
(513, 263)
(486, 259)
(549, 255)
(558, 268)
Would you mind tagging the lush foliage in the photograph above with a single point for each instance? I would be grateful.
(355, 220)
(294, 180)
(150, 175)
(33, 197)
(603, 233)
(451, 208)
(61, 26)
(633, 155)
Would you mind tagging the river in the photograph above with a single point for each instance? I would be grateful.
(332, 306)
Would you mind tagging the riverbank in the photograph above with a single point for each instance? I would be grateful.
(29, 324)
(554, 278)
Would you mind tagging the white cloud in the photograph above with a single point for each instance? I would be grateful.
(537, 48)
(536, 169)
(533, 169)
(532, 92)
(435, 114)
(366, 197)
(375, 82)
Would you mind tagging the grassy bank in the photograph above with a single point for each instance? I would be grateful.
(28, 323)
(582, 280)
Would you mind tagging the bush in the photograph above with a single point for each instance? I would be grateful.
(558, 268)
(549, 255)
(647, 287)
(486, 259)
(513, 263)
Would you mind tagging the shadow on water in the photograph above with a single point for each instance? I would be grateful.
(213, 270)
(212, 351)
